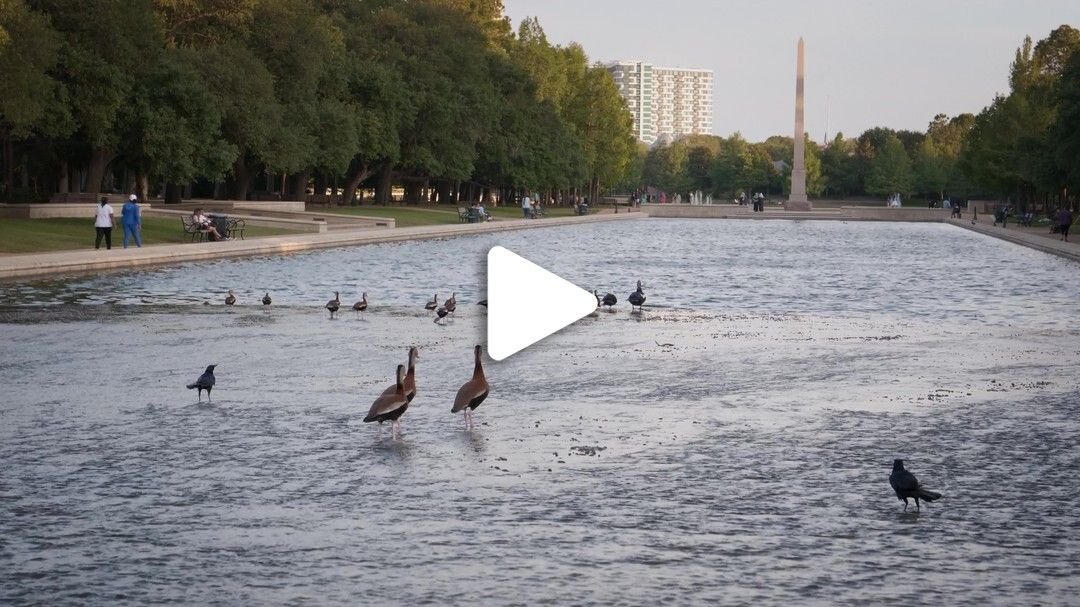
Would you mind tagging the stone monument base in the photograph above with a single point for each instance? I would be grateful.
(798, 205)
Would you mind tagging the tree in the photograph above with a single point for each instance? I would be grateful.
(172, 126)
(29, 49)
(890, 170)
(1065, 133)
(839, 170)
(931, 170)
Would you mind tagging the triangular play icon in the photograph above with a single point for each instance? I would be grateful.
(526, 303)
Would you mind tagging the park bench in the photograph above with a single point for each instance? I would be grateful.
(236, 227)
(194, 230)
(463, 215)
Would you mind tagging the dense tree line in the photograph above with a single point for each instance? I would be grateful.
(225, 97)
(1023, 147)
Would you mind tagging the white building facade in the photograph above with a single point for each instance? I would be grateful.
(666, 103)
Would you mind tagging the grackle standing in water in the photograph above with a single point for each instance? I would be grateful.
(906, 485)
(205, 382)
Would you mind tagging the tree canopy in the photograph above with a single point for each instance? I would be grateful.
(186, 92)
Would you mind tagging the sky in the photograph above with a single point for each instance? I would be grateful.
(868, 62)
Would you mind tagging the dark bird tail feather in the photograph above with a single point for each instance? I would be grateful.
(929, 495)
(192, 386)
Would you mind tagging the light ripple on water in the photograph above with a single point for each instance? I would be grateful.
(746, 462)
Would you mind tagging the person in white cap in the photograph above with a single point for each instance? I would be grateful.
(131, 220)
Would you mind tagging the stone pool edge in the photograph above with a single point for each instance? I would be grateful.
(83, 261)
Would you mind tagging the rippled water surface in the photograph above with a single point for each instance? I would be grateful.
(729, 445)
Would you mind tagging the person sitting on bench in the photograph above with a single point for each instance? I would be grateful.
(200, 219)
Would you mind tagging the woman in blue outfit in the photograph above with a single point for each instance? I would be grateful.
(130, 219)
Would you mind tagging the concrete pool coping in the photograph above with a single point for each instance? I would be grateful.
(26, 265)
(81, 261)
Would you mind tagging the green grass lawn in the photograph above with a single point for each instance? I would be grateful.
(39, 235)
(432, 215)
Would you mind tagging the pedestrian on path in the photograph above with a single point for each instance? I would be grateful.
(526, 206)
(131, 221)
(1064, 220)
(103, 224)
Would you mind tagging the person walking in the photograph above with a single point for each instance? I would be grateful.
(526, 206)
(103, 224)
(1064, 220)
(131, 221)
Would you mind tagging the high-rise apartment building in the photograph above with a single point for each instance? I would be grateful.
(666, 102)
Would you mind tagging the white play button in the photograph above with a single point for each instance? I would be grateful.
(526, 303)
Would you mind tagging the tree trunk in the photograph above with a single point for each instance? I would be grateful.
(100, 157)
(241, 179)
(298, 186)
(172, 193)
(64, 177)
(8, 161)
(384, 189)
(358, 172)
(442, 192)
(142, 187)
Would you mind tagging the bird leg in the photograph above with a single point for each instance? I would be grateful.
(395, 429)
(917, 508)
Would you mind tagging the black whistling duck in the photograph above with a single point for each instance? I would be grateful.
(334, 305)
(637, 298)
(361, 305)
(473, 392)
(389, 407)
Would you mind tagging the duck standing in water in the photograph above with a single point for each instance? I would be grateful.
(361, 305)
(451, 304)
(473, 392)
(230, 299)
(434, 303)
(266, 300)
(409, 384)
(334, 305)
(389, 407)
(637, 298)
(609, 300)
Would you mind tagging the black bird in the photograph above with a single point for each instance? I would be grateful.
(434, 303)
(334, 305)
(440, 314)
(482, 302)
(230, 299)
(451, 304)
(266, 299)
(360, 306)
(597, 296)
(205, 382)
(637, 298)
(609, 300)
(906, 485)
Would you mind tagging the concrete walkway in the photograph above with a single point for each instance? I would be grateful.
(71, 262)
(1038, 238)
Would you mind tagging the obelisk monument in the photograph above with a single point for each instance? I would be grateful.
(797, 201)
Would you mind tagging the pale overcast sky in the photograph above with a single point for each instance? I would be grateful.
(878, 63)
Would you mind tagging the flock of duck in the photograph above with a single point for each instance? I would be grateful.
(636, 299)
(395, 399)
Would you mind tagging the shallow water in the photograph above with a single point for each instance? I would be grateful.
(731, 444)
